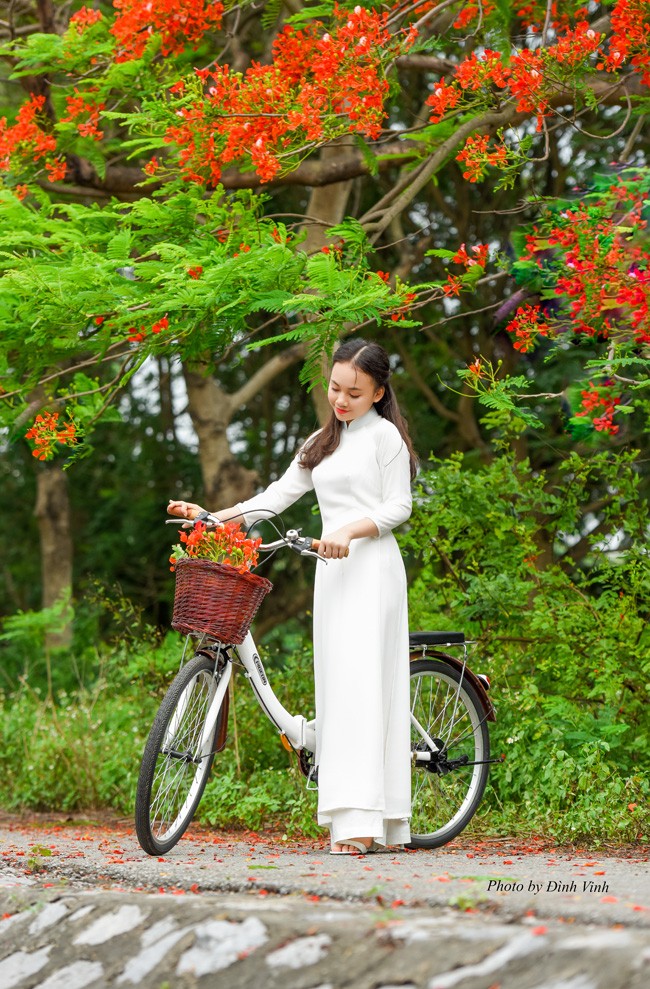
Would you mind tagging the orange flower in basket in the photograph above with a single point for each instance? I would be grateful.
(227, 544)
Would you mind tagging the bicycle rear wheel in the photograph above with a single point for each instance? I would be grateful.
(174, 772)
(445, 791)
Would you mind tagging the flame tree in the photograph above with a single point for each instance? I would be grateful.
(143, 170)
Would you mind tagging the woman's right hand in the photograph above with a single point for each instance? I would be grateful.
(184, 509)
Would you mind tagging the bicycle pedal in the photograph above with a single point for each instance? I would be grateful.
(312, 779)
(308, 769)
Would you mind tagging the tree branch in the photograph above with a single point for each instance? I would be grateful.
(437, 159)
(122, 181)
(319, 172)
(425, 63)
(410, 366)
(275, 366)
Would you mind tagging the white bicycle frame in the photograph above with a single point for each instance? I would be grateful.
(299, 732)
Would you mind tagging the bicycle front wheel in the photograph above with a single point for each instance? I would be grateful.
(175, 766)
(447, 788)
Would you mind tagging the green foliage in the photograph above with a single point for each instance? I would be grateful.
(82, 749)
(559, 608)
(99, 284)
(30, 628)
(22, 646)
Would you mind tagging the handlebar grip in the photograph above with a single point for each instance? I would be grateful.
(315, 543)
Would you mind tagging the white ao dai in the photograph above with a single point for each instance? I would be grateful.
(361, 659)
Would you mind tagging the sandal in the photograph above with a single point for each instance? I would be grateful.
(362, 849)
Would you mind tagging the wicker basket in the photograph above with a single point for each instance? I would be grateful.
(216, 599)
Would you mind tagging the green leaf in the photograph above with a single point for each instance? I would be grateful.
(271, 13)
(370, 158)
(119, 246)
(310, 13)
(440, 252)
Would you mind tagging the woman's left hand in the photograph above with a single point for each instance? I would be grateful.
(184, 509)
(335, 545)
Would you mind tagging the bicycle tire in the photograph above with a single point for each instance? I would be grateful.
(446, 793)
(172, 779)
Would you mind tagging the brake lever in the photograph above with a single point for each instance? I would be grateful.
(310, 552)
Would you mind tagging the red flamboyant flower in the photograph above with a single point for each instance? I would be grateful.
(84, 18)
(442, 99)
(531, 75)
(601, 398)
(26, 138)
(527, 72)
(575, 45)
(318, 86)
(630, 38)
(227, 544)
(526, 326)
(606, 277)
(476, 156)
(47, 433)
(485, 69)
(481, 252)
(79, 105)
(56, 169)
(453, 286)
(472, 12)
(178, 22)
(160, 325)
(476, 368)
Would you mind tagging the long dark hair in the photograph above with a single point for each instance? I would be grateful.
(373, 360)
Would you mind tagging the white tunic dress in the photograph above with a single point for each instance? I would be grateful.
(360, 632)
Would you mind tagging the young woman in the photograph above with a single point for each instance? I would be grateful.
(360, 465)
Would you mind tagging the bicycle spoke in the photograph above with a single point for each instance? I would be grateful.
(175, 771)
(171, 784)
(445, 791)
(179, 753)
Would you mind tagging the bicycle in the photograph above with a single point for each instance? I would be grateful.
(450, 745)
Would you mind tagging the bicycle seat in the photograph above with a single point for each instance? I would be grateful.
(436, 638)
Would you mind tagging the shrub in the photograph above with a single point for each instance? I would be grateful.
(557, 601)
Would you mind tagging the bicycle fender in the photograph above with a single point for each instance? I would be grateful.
(220, 740)
(471, 677)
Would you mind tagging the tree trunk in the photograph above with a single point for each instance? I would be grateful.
(327, 206)
(225, 480)
(167, 421)
(53, 513)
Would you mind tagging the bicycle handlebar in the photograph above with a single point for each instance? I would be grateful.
(303, 545)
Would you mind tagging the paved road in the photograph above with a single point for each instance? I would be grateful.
(507, 878)
(246, 910)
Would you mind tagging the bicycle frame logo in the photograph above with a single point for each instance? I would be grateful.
(260, 669)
